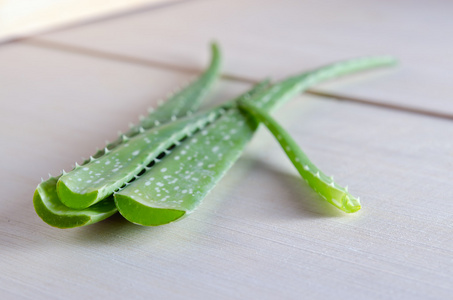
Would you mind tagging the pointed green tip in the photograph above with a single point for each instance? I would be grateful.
(215, 47)
(72, 199)
(141, 214)
(350, 204)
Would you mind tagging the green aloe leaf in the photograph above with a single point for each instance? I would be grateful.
(176, 186)
(53, 212)
(316, 179)
(46, 202)
(98, 179)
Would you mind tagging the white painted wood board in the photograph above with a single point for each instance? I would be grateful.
(261, 233)
(21, 18)
(279, 38)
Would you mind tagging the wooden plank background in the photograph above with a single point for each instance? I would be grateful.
(278, 38)
(261, 233)
(22, 18)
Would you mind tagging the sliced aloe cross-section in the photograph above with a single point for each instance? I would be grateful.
(50, 208)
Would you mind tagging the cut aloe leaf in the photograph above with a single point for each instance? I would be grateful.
(50, 209)
(98, 179)
(181, 103)
(176, 186)
(316, 179)
(187, 100)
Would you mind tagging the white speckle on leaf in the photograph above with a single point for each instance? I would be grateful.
(163, 169)
(160, 184)
(136, 152)
(215, 149)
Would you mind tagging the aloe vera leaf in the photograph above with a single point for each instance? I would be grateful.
(50, 209)
(316, 179)
(98, 179)
(179, 104)
(46, 202)
(288, 88)
(176, 186)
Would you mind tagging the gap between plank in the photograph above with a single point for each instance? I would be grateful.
(42, 43)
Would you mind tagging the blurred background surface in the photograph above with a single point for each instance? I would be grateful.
(20, 18)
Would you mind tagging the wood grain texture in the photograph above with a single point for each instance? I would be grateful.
(278, 38)
(260, 234)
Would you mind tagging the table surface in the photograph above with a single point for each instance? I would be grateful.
(261, 233)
